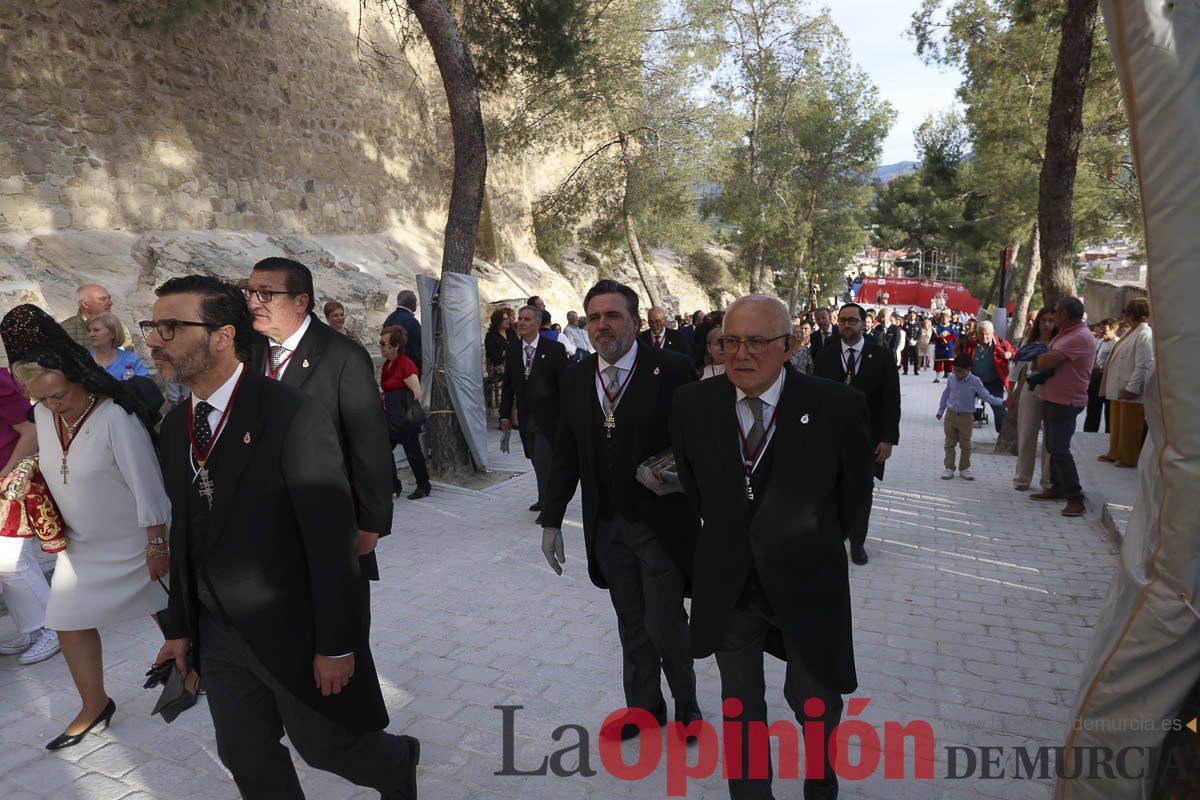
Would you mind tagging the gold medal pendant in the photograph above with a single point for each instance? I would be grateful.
(610, 424)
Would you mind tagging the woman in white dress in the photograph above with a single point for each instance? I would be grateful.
(98, 460)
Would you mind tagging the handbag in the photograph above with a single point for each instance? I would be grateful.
(659, 475)
(404, 413)
(176, 697)
(27, 508)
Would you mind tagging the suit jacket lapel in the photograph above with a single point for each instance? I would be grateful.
(305, 358)
(723, 421)
(231, 454)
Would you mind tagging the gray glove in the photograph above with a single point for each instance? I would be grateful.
(505, 438)
(552, 549)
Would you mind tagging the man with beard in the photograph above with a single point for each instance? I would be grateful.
(870, 368)
(307, 354)
(265, 587)
(615, 415)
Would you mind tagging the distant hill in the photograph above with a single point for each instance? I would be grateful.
(889, 171)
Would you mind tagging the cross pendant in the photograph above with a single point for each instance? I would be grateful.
(64, 469)
(749, 489)
(610, 423)
(206, 486)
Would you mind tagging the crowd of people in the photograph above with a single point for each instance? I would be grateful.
(227, 522)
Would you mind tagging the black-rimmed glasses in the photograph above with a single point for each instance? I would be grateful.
(265, 296)
(165, 328)
(755, 345)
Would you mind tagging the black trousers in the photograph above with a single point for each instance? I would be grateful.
(908, 356)
(646, 589)
(542, 456)
(740, 660)
(416, 458)
(1096, 406)
(862, 520)
(251, 711)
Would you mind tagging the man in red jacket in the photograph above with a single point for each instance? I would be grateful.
(989, 362)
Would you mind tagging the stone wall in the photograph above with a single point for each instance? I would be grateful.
(128, 156)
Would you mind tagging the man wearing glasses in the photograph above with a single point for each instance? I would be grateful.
(770, 571)
(870, 368)
(304, 352)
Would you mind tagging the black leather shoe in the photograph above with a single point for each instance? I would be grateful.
(63, 740)
(629, 730)
(686, 714)
(408, 789)
(536, 507)
(858, 554)
(421, 491)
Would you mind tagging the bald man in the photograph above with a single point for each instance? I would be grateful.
(660, 337)
(770, 572)
(93, 299)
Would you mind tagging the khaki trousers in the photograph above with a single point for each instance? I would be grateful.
(1029, 422)
(1126, 423)
(958, 426)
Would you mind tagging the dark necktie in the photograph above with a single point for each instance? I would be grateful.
(201, 430)
(850, 365)
(278, 352)
(755, 436)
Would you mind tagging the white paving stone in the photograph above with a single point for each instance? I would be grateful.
(973, 615)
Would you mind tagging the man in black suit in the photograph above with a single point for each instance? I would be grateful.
(824, 334)
(889, 333)
(264, 597)
(871, 369)
(405, 316)
(533, 375)
(660, 337)
(770, 569)
(912, 342)
(307, 354)
(615, 412)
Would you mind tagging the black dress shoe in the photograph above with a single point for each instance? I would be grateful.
(629, 730)
(686, 714)
(63, 740)
(421, 491)
(858, 554)
(408, 789)
(536, 507)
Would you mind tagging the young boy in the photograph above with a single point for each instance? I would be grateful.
(959, 399)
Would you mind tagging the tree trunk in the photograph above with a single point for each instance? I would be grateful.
(1064, 131)
(1029, 286)
(630, 222)
(756, 266)
(990, 297)
(794, 298)
(450, 457)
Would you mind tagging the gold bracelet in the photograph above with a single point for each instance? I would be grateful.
(156, 552)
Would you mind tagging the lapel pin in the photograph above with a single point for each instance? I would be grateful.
(803, 421)
(246, 438)
(656, 370)
(304, 363)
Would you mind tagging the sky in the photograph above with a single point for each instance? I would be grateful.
(876, 31)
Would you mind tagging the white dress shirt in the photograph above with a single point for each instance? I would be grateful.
(219, 400)
(770, 400)
(624, 366)
(527, 362)
(289, 345)
(578, 337)
(857, 347)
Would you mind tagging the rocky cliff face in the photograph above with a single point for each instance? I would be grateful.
(129, 156)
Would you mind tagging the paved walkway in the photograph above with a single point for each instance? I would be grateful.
(974, 614)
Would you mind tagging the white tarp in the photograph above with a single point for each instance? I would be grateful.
(451, 307)
(1145, 656)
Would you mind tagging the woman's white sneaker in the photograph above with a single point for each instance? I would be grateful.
(45, 647)
(17, 644)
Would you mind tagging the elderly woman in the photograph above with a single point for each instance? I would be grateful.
(1097, 405)
(714, 359)
(1028, 402)
(104, 331)
(399, 374)
(801, 342)
(335, 315)
(1124, 384)
(98, 461)
(22, 582)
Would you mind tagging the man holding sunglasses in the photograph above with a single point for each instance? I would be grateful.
(870, 368)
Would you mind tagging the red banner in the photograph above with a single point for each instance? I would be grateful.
(904, 292)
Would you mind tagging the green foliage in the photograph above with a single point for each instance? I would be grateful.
(538, 39)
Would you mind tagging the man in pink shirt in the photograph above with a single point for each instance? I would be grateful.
(1064, 396)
